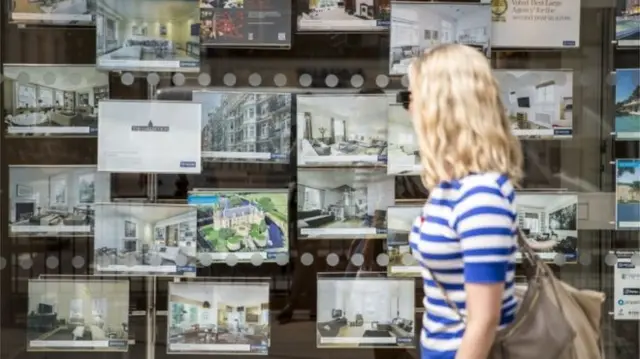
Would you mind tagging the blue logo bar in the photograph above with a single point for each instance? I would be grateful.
(187, 164)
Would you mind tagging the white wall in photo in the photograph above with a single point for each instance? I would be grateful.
(149, 136)
(402, 218)
(403, 151)
(536, 24)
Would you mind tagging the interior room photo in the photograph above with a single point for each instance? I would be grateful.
(417, 27)
(365, 312)
(537, 102)
(137, 234)
(218, 313)
(78, 310)
(51, 9)
(339, 202)
(403, 153)
(242, 222)
(345, 14)
(341, 129)
(627, 125)
(45, 200)
(628, 194)
(52, 99)
(550, 223)
(130, 33)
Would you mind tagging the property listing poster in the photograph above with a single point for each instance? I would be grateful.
(628, 23)
(61, 12)
(535, 23)
(627, 286)
(628, 193)
(627, 123)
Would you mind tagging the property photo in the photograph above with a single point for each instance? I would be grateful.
(344, 15)
(365, 312)
(50, 200)
(242, 222)
(145, 238)
(218, 317)
(549, 223)
(342, 130)
(539, 104)
(628, 194)
(343, 203)
(627, 125)
(628, 22)
(403, 151)
(78, 315)
(52, 100)
(400, 221)
(147, 35)
(245, 127)
(417, 27)
(55, 12)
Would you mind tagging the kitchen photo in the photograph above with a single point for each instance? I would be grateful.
(55, 200)
(52, 100)
(145, 238)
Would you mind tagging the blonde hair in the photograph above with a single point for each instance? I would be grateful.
(459, 119)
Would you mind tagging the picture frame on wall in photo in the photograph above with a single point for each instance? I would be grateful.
(343, 16)
(124, 41)
(61, 12)
(627, 104)
(549, 222)
(535, 25)
(47, 100)
(628, 23)
(419, 26)
(628, 194)
(55, 200)
(538, 103)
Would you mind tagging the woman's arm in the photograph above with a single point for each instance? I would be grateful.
(484, 304)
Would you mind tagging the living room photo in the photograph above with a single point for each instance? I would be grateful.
(418, 27)
(344, 15)
(403, 152)
(343, 203)
(539, 104)
(220, 318)
(243, 222)
(400, 221)
(78, 315)
(365, 312)
(245, 127)
(148, 35)
(52, 200)
(342, 130)
(550, 224)
(57, 12)
(145, 238)
(52, 100)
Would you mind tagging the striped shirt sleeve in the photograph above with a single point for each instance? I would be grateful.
(485, 222)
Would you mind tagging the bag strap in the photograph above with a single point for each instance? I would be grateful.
(528, 254)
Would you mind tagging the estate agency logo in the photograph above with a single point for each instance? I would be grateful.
(632, 276)
(631, 291)
(622, 302)
(150, 127)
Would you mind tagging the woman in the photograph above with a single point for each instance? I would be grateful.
(465, 238)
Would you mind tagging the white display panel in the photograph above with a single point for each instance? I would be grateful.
(53, 100)
(418, 27)
(550, 224)
(535, 24)
(48, 200)
(365, 312)
(147, 35)
(628, 23)
(626, 286)
(139, 238)
(343, 16)
(342, 130)
(75, 315)
(243, 223)
(245, 127)
(400, 221)
(627, 194)
(627, 102)
(54, 12)
(346, 203)
(539, 104)
(403, 150)
(149, 136)
(218, 318)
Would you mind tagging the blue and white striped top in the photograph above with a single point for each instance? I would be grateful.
(466, 234)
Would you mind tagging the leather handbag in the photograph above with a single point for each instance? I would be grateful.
(553, 321)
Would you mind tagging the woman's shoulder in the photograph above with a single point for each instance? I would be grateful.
(494, 182)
